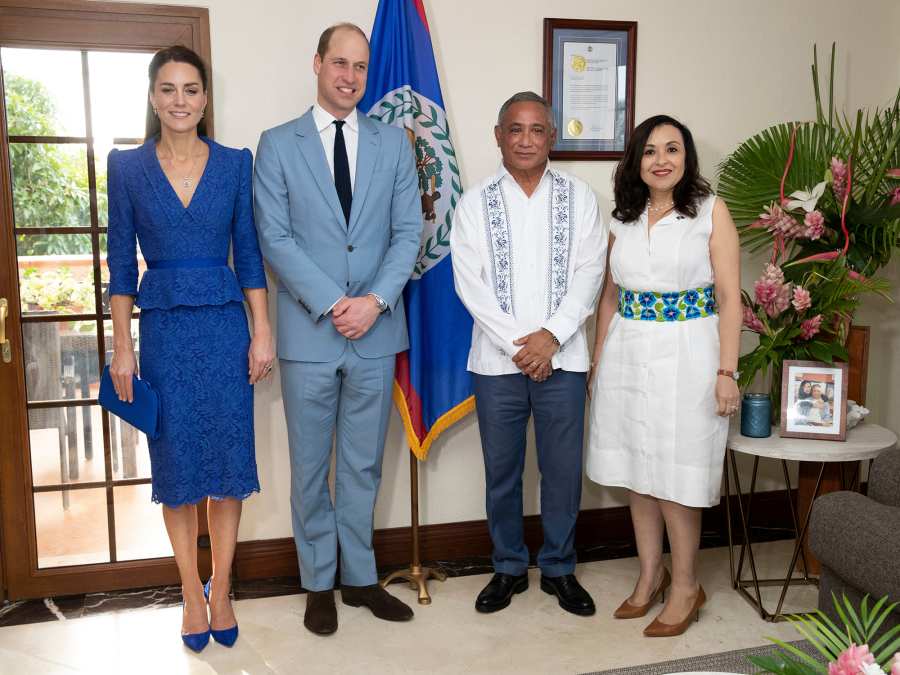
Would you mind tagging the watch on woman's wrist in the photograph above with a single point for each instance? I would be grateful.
(733, 374)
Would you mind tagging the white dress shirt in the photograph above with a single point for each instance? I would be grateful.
(324, 123)
(523, 263)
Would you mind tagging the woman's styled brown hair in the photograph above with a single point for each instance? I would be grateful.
(178, 54)
(632, 193)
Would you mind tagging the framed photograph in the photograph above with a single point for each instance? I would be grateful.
(814, 400)
(589, 81)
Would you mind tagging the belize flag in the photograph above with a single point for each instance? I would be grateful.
(432, 388)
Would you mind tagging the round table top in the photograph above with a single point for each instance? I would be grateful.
(864, 441)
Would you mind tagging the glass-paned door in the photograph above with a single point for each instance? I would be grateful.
(90, 472)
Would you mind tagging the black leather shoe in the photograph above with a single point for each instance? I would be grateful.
(572, 597)
(499, 591)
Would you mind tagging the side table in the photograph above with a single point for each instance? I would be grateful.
(864, 442)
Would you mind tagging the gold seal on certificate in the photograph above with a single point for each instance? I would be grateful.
(575, 127)
(579, 63)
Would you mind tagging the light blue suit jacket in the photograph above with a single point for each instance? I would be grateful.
(317, 256)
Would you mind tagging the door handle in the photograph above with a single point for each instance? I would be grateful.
(4, 343)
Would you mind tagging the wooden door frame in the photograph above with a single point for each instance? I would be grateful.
(65, 24)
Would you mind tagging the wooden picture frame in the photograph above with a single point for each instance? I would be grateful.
(814, 400)
(589, 80)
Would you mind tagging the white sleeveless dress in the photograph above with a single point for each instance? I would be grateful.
(653, 422)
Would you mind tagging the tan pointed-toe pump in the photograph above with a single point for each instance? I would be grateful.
(659, 629)
(628, 611)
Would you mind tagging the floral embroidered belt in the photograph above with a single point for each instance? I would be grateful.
(695, 303)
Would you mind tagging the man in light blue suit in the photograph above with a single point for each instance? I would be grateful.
(339, 218)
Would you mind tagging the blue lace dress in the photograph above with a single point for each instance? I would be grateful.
(193, 329)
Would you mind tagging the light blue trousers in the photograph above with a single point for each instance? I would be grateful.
(342, 404)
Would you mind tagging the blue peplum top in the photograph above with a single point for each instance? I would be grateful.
(186, 249)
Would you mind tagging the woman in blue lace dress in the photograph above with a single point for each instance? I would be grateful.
(187, 202)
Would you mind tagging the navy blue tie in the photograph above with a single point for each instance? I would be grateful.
(342, 171)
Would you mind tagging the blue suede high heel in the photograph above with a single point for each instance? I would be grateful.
(227, 636)
(195, 641)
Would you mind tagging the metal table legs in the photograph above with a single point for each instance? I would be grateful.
(754, 583)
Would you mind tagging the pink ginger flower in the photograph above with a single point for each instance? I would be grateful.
(752, 321)
(771, 292)
(895, 196)
(895, 664)
(839, 176)
(815, 224)
(852, 661)
(801, 301)
(808, 330)
(777, 221)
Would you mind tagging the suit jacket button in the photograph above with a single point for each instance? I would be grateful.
(350, 248)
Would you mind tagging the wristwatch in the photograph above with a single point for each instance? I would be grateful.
(382, 305)
(733, 374)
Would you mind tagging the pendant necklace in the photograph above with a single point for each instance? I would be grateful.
(188, 181)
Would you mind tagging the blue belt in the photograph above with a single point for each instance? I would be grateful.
(186, 263)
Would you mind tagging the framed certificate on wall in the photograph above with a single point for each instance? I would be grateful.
(589, 71)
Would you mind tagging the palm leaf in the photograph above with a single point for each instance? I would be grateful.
(835, 642)
(891, 639)
(750, 177)
(879, 150)
(880, 618)
(886, 653)
(851, 635)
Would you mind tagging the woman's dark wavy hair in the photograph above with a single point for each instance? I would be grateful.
(632, 193)
(178, 54)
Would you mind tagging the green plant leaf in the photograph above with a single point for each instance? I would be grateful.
(803, 656)
(854, 629)
(886, 653)
(812, 636)
(835, 642)
(886, 639)
(882, 614)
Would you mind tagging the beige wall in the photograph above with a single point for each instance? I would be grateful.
(727, 68)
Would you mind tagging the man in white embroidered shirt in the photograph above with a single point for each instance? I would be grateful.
(529, 252)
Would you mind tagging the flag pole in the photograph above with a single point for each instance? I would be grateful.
(415, 574)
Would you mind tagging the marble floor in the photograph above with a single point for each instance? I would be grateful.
(533, 635)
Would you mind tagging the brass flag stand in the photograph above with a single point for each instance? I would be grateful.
(415, 574)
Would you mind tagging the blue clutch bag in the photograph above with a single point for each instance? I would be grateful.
(142, 413)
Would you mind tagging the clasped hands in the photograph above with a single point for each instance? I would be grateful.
(353, 317)
(535, 357)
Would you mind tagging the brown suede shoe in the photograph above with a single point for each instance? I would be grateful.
(321, 615)
(383, 604)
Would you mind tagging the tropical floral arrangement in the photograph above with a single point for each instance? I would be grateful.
(855, 649)
(824, 197)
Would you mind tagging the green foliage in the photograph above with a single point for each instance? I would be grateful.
(50, 182)
(56, 290)
(859, 628)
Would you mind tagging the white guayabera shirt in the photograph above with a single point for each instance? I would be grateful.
(523, 263)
